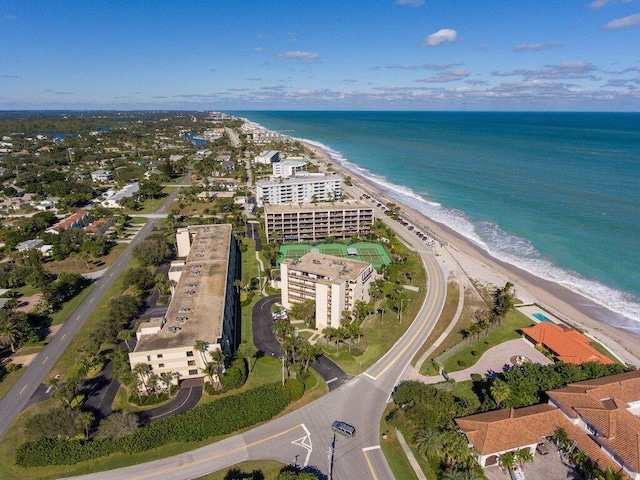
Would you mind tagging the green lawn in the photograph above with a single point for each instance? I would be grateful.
(268, 468)
(398, 461)
(121, 403)
(8, 381)
(507, 331)
(152, 204)
(68, 307)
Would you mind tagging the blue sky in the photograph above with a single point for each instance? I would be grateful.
(321, 54)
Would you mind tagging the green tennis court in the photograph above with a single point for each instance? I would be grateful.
(367, 252)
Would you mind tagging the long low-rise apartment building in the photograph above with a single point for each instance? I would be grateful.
(336, 284)
(203, 306)
(309, 222)
(300, 188)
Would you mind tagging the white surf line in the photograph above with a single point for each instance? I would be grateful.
(332, 380)
(375, 447)
(305, 442)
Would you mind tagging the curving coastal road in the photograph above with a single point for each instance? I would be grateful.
(304, 437)
(18, 397)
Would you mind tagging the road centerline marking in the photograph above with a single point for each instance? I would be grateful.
(370, 465)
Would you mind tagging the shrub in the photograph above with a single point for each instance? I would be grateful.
(296, 388)
(220, 417)
(13, 367)
(462, 363)
(476, 377)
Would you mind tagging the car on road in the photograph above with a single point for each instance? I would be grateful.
(343, 429)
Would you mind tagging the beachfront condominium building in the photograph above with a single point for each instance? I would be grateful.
(267, 157)
(203, 305)
(311, 187)
(310, 222)
(289, 167)
(336, 284)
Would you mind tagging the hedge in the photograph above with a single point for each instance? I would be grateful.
(221, 417)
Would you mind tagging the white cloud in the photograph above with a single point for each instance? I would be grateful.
(624, 22)
(410, 3)
(444, 35)
(559, 71)
(298, 55)
(534, 47)
(445, 77)
(440, 66)
(598, 4)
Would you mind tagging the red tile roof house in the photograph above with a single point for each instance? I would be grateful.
(601, 416)
(568, 345)
(74, 221)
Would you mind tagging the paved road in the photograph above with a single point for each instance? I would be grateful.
(266, 341)
(186, 399)
(16, 399)
(305, 435)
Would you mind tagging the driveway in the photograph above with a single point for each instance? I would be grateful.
(186, 399)
(265, 340)
(498, 358)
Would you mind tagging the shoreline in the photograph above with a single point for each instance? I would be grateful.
(476, 263)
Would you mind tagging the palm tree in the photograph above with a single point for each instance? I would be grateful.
(611, 474)
(507, 460)
(84, 420)
(210, 370)
(523, 456)
(10, 334)
(247, 351)
(428, 442)
(455, 448)
(561, 439)
(141, 370)
(500, 391)
(167, 379)
(201, 347)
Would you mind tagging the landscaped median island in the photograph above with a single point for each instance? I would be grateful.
(217, 418)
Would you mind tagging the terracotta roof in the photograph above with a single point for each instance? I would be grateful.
(508, 428)
(603, 403)
(69, 221)
(570, 346)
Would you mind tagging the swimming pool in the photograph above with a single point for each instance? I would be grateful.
(542, 318)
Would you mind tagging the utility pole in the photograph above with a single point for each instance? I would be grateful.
(330, 454)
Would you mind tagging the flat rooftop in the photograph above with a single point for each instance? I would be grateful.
(331, 269)
(317, 207)
(197, 306)
(295, 179)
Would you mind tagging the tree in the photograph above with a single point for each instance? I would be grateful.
(10, 333)
(500, 391)
(140, 277)
(611, 474)
(428, 441)
(117, 425)
(507, 460)
(305, 310)
(247, 351)
(151, 251)
(307, 352)
(167, 379)
(523, 456)
(561, 439)
(200, 346)
(85, 420)
(455, 449)
(141, 370)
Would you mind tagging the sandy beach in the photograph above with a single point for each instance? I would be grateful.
(470, 260)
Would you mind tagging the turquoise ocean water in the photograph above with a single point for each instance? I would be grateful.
(557, 194)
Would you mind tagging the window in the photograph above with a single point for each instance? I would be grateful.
(191, 363)
(193, 372)
(190, 354)
(161, 365)
(148, 358)
(160, 355)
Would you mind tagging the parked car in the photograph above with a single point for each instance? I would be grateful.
(343, 429)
